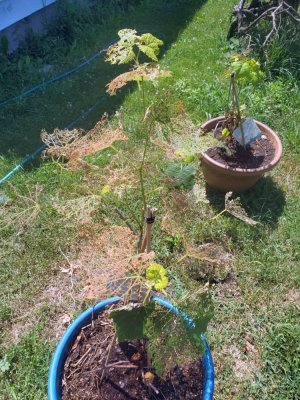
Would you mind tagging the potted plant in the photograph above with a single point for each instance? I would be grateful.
(247, 148)
(125, 369)
(128, 352)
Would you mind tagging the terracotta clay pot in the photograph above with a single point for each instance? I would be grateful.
(228, 179)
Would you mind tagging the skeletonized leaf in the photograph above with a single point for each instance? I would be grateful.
(122, 80)
(122, 51)
(146, 73)
(74, 145)
(127, 35)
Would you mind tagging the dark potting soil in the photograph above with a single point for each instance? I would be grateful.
(83, 377)
(257, 154)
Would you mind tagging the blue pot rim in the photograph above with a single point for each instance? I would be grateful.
(63, 347)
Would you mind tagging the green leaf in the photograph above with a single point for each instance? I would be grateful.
(246, 70)
(130, 321)
(148, 51)
(185, 154)
(183, 175)
(149, 45)
(225, 132)
(156, 274)
(150, 40)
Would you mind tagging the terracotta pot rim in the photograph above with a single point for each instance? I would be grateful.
(249, 171)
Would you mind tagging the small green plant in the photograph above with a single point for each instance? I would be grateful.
(128, 50)
(244, 71)
(146, 319)
(182, 175)
(138, 315)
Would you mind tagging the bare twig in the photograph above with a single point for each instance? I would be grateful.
(248, 18)
(120, 214)
(113, 341)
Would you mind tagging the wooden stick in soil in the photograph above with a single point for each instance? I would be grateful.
(150, 218)
(235, 104)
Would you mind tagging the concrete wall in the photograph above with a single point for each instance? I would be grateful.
(18, 16)
(12, 11)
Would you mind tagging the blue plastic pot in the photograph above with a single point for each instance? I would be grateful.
(66, 342)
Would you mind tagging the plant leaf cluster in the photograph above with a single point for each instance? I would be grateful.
(128, 50)
(246, 70)
(130, 321)
(124, 51)
(156, 276)
(183, 175)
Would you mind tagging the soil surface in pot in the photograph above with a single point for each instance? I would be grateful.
(83, 376)
(258, 154)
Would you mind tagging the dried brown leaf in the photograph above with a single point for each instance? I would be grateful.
(207, 259)
(234, 207)
(146, 73)
(74, 145)
(104, 258)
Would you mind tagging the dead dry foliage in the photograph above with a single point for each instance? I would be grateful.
(78, 210)
(22, 211)
(233, 206)
(145, 73)
(106, 259)
(72, 146)
(208, 259)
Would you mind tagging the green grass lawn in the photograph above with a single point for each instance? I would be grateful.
(254, 334)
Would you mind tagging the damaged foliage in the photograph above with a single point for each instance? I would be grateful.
(73, 146)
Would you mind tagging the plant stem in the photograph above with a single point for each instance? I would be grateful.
(135, 218)
(141, 173)
(122, 155)
(143, 96)
(141, 169)
(235, 104)
(218, 215)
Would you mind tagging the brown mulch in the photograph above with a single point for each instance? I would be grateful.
(123, 378)
(258, 154)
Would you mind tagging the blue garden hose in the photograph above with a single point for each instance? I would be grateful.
(52, 80)
(44, 146)
(58, 77)
(66, 73)
(63, 347)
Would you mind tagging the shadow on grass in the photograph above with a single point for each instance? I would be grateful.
(264, 202)
(64, 101)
